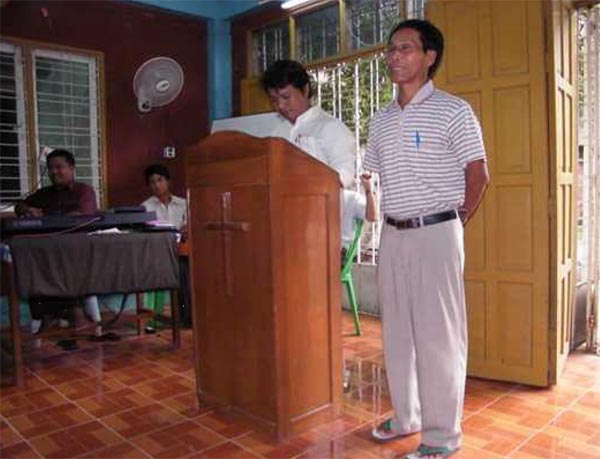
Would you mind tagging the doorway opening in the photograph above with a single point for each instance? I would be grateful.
(586, 308)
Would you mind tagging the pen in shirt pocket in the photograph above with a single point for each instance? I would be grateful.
(417, 140)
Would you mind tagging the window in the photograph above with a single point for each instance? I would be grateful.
(353, 91)
(14, 179)
(63, 96)
(369, 21)
(355, 88)
(66, 110)
(269, 44)
(317, 34)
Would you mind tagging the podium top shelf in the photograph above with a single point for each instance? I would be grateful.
(244, 157)
(231, 145)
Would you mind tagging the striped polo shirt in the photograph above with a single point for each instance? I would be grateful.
(421, 152)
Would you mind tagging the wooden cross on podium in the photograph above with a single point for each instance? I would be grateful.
(226, 226)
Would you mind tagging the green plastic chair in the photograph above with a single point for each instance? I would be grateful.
(155, 301)
(346, 275)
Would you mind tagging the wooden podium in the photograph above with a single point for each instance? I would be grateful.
(265, 262)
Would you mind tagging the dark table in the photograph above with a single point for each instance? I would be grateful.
(78, 264)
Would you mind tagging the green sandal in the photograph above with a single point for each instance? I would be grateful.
(385, 432)
(431, 452)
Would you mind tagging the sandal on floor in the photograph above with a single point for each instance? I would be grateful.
(385, 432)
(431, 452)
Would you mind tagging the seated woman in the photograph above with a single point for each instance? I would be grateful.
(169, 209)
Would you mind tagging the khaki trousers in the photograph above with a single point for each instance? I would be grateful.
(421, 291)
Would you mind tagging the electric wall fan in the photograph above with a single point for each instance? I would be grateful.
(157, 82)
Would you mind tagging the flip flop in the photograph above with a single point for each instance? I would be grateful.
(431, 452)
(384, 432)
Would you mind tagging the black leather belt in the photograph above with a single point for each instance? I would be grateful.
(417, 222)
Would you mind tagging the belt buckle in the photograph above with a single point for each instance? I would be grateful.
(414, 222)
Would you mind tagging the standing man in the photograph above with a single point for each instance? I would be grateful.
(428, 149)
(319, 134)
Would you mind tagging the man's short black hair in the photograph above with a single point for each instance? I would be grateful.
(156, 169)
(61, 153)
(284, 72)
(431, 39)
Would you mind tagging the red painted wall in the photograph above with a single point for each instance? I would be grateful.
(128, 35)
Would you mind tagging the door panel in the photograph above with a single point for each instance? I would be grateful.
(562, 93)
(495, 60)
(254, 99)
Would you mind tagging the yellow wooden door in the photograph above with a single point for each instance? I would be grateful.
(254, 100)
(495, 59)
(562, 96)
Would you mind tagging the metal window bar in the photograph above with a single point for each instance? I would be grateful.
(66, 110)
(368, 22)
(14, 165)
(269, 44)
(317, 34)
(353, 91)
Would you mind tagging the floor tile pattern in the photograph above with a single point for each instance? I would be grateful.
(136, 399)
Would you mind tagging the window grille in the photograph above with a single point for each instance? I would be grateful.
(14, 176)
(66, 104)
(353, 91)
(318, 34)
(414, 9)
(369, 21)
(269, 44)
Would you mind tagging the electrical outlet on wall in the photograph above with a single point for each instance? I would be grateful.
(169, 152)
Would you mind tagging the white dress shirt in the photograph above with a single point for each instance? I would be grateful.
(325, 138)
(353, 206)
(174, 212)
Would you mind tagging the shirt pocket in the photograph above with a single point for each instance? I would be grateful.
(312, 146)
(432, 162)
(428, 145)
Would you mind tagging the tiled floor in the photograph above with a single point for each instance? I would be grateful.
(136, 398)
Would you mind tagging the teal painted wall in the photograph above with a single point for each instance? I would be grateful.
(217, 14)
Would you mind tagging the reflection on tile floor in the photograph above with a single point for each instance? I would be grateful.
(135, 399)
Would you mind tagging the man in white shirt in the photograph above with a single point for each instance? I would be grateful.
(169, 208)
(309, 128)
